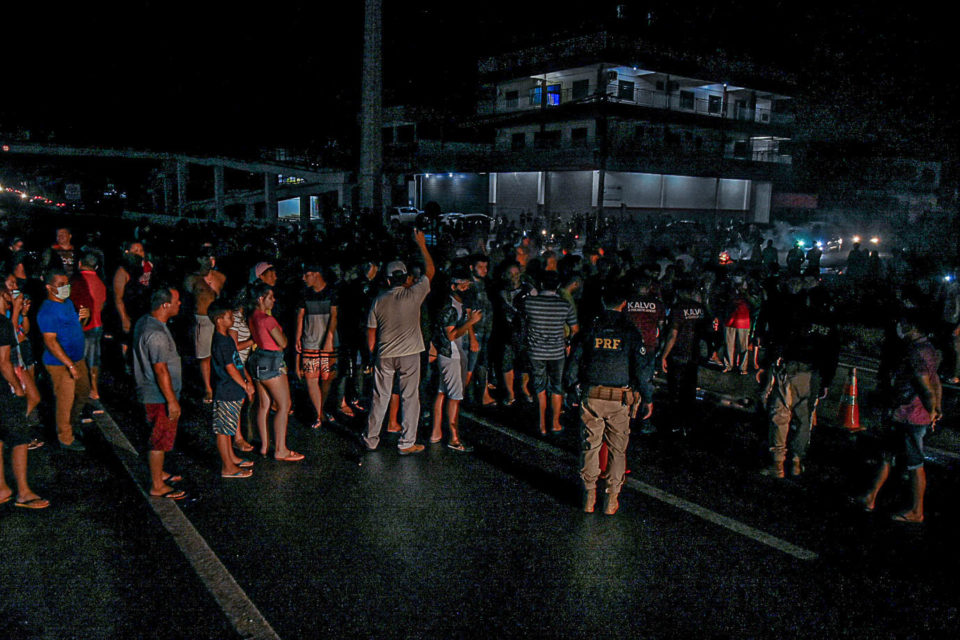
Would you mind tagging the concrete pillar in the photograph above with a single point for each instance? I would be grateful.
(270, 211)
(304, 209)
(371, 138)
(168, 171)
(219, 199)
(493, 204)
(183, 175)
(762, 197)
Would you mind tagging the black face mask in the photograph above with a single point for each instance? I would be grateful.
(468, 297)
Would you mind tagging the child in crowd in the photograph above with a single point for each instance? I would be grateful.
(230, 386)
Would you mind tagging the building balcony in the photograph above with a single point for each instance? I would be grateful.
(713, 106)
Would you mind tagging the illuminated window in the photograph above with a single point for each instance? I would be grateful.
(553, 95)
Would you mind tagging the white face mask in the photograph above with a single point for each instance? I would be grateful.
(63, 292)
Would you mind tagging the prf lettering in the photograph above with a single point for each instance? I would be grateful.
(606, 343)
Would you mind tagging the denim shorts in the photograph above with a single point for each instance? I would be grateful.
(91, 346)
(266, 365)
(904, 443)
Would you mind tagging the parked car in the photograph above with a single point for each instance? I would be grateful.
(404, 214)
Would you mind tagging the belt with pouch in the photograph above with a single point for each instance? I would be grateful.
(616, 394)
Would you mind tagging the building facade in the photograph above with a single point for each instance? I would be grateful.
(602, 122)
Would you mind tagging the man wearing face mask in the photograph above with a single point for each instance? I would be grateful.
(451, 338)
(59, 323)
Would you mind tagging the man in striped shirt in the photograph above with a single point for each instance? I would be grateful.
(545, 316)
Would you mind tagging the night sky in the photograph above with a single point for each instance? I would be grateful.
(230, 77)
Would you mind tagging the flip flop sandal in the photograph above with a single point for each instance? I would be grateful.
(173, 494)
(459, 446)
(7, 499)
(245, 464)
(36, 503)
(316, 425)
(293, 456)
(173, 478)
(242, 473)
(437, 441)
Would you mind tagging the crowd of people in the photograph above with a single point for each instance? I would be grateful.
(375, 323)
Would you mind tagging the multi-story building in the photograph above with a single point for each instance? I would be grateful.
(604, 122)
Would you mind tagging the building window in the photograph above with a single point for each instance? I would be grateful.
(625, 90)
(671, 86)
(406, 134)
(581, 89)
(518, 141)
(546, 140)
(578, 136)
(513, 98)
(740, 149)
(687, 100)
(553, 95)
(714, 105)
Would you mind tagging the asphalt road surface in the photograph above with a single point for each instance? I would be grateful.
(488, 544)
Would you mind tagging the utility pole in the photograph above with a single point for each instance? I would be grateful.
(371, 114)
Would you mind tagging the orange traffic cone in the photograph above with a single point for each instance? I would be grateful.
(849, 415)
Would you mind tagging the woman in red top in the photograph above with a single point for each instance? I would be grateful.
(269, 372)
(738, 331)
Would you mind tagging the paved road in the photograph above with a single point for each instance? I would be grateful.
(493, 543)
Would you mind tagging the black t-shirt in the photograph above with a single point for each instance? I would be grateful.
(8, 338)
(224, 352)
(687, 317)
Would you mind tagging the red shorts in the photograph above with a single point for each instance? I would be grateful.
(164, 429)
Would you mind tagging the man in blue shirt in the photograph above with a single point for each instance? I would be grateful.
(59, 322)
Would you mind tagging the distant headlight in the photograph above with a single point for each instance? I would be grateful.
(874, 240)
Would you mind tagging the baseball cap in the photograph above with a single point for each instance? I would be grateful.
(396, 268)
(261, 268)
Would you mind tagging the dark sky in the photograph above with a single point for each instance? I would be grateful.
(229, 76)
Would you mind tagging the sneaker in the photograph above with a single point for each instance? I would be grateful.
(73, 446)
(775, 470)
(412, 449)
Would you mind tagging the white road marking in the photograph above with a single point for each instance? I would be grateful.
(941, 452)
(675, 501)
(239, 609)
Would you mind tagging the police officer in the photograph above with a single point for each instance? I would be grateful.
(607, 364)
(802, 360)
(681, 354)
